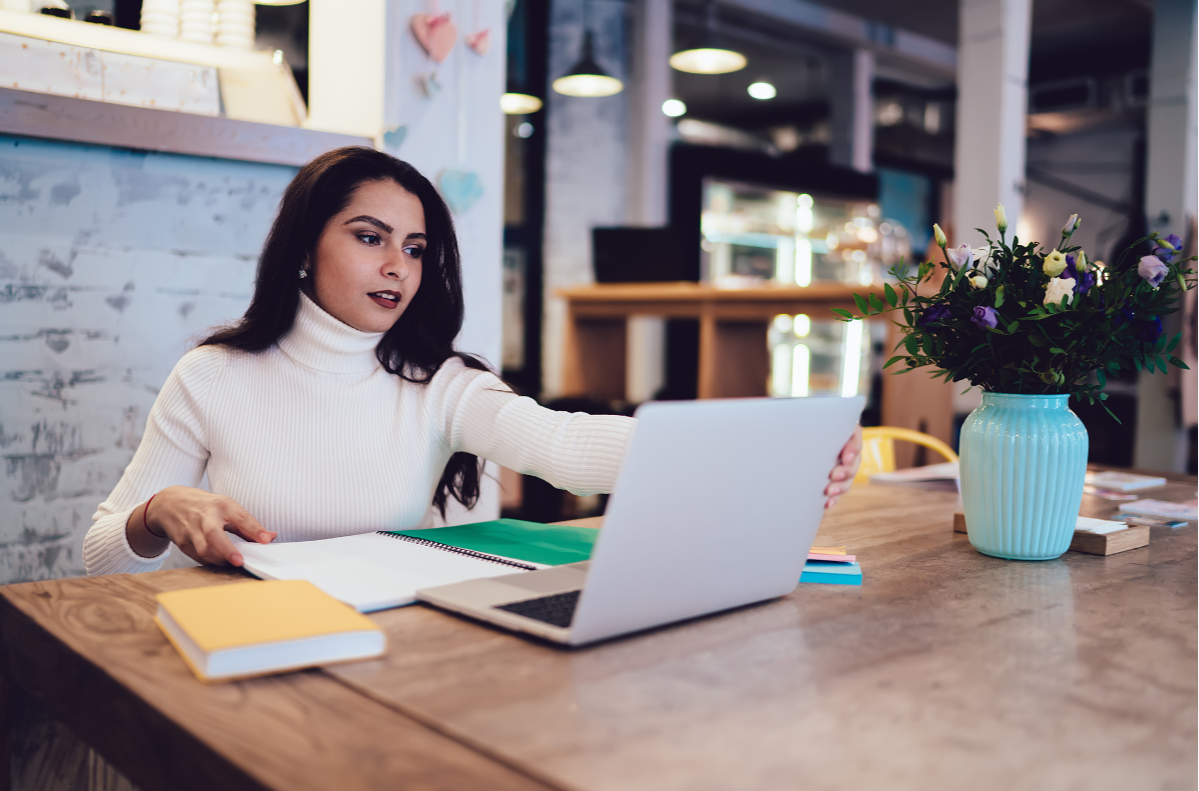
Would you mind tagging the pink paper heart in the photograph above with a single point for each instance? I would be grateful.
(480, 42)
(436, 34)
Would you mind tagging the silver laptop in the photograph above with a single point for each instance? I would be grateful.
(716, 506)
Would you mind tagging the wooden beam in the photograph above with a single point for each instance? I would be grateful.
(101, 123)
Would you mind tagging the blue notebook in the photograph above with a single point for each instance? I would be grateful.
(831, 572)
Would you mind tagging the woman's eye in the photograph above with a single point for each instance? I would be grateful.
(414, 251)
(369, 238)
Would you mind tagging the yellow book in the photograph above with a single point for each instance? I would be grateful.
(254, 628)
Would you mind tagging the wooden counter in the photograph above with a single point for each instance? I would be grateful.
(946, 669)
(734, 359)
(733, 356)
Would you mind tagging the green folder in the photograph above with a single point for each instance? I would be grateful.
(549, 545)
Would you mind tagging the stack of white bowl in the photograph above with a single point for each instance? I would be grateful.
(195, 20)
(160, 17)
(235, 23)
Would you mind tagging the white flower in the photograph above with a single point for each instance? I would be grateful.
(1071, 225)
(983, 260)
(1057, 288)
(939, 235)
(962, 256)
(978, 280)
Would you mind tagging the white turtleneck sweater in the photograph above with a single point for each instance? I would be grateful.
(316, 440)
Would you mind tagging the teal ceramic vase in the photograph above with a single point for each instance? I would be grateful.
(1023, 464)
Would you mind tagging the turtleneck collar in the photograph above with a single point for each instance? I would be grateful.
(323, 343)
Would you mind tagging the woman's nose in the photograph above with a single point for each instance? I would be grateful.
(397, 269)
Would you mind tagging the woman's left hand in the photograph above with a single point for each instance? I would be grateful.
(841, 477)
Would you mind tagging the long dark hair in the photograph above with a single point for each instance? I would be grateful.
(423, 338)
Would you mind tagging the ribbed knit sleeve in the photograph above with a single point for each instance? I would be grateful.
(172, 453)
(574, 451)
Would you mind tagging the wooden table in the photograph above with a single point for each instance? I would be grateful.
(946, 669)
(734, 360)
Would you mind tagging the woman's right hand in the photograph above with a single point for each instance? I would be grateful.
(196, 521)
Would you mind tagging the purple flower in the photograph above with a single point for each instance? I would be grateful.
(1152, 270)
(1125, 316)
(985, 317)
(933, 314)
(1082, 280)
(1148, 329)
(1168, 253)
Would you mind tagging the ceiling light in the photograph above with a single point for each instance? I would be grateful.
(709, 56)
(708, 60)
(586, 78)
(762, 90)
(674, 108)
(519, 104)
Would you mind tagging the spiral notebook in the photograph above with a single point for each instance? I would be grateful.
(375, 571)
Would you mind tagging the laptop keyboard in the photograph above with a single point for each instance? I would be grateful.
(556, 610)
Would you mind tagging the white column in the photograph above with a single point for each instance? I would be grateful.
(650, 132)
(992, 104)
(347, 53)
(1170, 197)
(852, 112)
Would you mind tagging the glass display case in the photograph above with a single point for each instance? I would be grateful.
(755, 235)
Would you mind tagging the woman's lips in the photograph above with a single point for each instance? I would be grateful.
(387, 299)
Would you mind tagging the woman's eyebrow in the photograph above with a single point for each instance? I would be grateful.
(369, 219)
(415, 236)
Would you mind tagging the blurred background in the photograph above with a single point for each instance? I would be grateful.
(654, 198)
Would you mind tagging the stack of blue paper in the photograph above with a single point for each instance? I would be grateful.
(832, 573)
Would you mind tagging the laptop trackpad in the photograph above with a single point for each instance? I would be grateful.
(553, 580)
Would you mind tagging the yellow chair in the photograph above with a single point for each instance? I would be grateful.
(878, 449)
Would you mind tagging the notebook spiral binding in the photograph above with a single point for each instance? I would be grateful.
(468, 552)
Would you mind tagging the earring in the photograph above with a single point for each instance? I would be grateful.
(303, 273)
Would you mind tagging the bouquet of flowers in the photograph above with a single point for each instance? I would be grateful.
(1022, 319)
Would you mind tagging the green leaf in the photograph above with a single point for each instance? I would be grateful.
(1174, 342)
(1179, 363)
(892, 297)
(876, 303)
(912, 344)
(893, 360)
(843, 313)
(860, 301)
(999, 297)
(1056, 350)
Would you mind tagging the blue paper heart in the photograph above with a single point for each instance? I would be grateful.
(394, 138)
(460, 188)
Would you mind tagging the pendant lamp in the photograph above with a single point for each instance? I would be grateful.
(586, 78)
(514, 103)
(709, 56)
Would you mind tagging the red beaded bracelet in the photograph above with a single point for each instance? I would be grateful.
(146, 517)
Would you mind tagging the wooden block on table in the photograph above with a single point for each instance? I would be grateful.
(1133, 537)
(1111, 543)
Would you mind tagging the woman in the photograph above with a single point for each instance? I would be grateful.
(336, 403)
